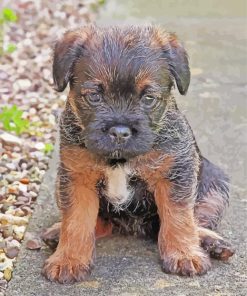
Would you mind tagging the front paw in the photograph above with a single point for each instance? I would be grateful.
(65, 270)
(186, 264)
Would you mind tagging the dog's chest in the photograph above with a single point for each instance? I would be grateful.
(126, 201)
(118, 190)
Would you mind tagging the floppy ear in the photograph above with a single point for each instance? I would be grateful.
(178, 63)
(66, 52)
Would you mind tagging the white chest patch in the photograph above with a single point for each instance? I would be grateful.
(117, 185)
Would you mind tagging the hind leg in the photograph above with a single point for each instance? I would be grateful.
(209, 208)
(208, 214)
(51, 235)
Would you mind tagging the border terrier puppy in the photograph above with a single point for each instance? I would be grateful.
(128, 159)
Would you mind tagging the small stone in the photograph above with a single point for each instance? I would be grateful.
(7, 274)
(4, 157)
(22, 84)
(3, 75)
(17, 149)
(33, 244)
(26, 210)
(24, 181)
(12, 252)
(3, 170)
(24, 166)
(46, 74)
(4, 207)
(35, 187)
(9, 219)
(33, 194)
(21, 162)
(11, 166)
(13, 243)
(19, 231)
(23, 199)
(42, 172)
(27, 42)
(32, 111)
(2, 244)
(42, 166)
(10, 178)
(13, 190)
(4, 90)
(10, 139)
(7, 231)
(37, 155)
(19, 213)
(23, 187)
(5, 262)
(35, 119)
(33, 101)
(39, 146)
(11, 209)
(41, 106)
(19, 203)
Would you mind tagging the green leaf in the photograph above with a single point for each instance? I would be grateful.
(48, 148)
(11, 48)
(9, 15)
(12, 120)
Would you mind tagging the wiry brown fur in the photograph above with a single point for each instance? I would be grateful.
(177, 194)
(73, 256)
(178, 237)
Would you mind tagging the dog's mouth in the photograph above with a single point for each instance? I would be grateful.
(116, 161)
(116, 158)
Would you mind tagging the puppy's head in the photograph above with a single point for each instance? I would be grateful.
(120, 82)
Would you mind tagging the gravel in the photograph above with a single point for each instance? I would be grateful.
(26, 81)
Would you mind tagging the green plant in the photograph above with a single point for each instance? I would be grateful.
(12, 120)
(48, 148)
(7, 15)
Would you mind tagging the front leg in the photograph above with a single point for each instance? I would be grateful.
(73, 257)
(78, 201)
(179, 242)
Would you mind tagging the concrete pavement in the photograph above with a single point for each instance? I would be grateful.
(216, 108)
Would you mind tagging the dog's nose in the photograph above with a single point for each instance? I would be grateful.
(120, 133)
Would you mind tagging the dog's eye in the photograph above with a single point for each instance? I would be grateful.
(94, 98)
(148, 101)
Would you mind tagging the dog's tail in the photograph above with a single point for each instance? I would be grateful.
(213, 195)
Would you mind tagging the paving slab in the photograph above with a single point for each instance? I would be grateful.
(216, 108)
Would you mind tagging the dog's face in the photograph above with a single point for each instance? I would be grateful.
(120, 83)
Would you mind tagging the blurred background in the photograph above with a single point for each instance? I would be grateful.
(214, 33)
